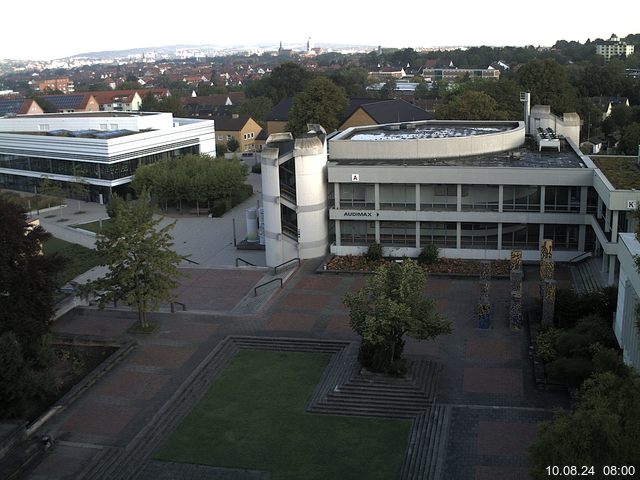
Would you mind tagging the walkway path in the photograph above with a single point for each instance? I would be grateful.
(486, 386)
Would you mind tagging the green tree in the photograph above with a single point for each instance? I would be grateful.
(422, 93)
(257, 108)
(233, 144)
(143, 269)
(286, 80)
(549, 84)
(390, 306)
(322, 102)
(630, 141)
(469, 105)
(353, 79)
(46, 105)
(149, 103)
(388, 90)
(28, 283)
(603, 429)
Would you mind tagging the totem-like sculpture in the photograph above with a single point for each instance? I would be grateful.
(484, 307)
(547, 283)
(516, 276)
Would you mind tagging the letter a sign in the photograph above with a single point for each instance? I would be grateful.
(355, 177)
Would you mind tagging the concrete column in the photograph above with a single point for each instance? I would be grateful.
(612, 270)
(599, 211)
(459, 199)
(614, 226)
(337, 232)
(500, 229)
(458, 233)
(605, 257)
(500, 202)
(417, 234)
(376, 194)
(377, 230)
(584, 191)
(582, 235)
(336, 195)
(607, 221)
(417, 197)
(543, 194)
(541, 235)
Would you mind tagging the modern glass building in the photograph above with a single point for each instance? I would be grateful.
(101, 149)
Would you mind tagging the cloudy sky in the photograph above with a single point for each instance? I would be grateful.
(39, 29)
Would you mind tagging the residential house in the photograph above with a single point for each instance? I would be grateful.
(614, 48)
(607, 104)
(388, 72)
(63, 85)
(75, 102)
(21, 106)
(241, 127)
(118, 100)
(377, 112)
(278, 117)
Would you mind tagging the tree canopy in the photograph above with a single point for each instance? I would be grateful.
(286, 80)
(143, 268)
(549, 84)
(322, 102)
(390, 306)
(469, 105)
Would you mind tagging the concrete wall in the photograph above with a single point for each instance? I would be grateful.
(425, 148)
(85, 121)
(568, 126)
(625, 326)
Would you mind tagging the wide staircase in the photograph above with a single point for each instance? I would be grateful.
(586, 275)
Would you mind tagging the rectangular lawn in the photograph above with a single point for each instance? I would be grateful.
(78, 259)
(93, 226)
(253, 418)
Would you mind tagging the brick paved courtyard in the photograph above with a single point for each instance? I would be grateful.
(486, 375)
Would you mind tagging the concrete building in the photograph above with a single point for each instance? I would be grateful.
(453, 74)
(103, 149)
(63, 85)
(474, 189)
(614, 48)
(625, 325)
(118, 100)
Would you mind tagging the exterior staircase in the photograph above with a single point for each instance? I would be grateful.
(586, 275)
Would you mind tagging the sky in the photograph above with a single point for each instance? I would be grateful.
(44, 31)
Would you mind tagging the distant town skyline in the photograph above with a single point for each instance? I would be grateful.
(45, 31)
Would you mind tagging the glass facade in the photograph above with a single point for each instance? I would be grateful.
(438, 197)
(565, 237)
(479, 235)
(442, 235)
(398, 196)
(517, 198)
(399, 234)
(562, 199)
(357, 196)
(480, 198)
(357, 233)
(525, 236)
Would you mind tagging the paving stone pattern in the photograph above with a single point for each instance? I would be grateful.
(477, 421)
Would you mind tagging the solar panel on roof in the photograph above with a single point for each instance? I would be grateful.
(65, 101)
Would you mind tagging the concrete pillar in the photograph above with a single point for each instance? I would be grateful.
(417, 197)
(584, 192)
(614, 226)
(582, 235)
(612, 270)
(500, 206)
(377, 230)
(500, 234)
(271, 204)
(603, 268)
(376, 194)
(458, 235)
(337, 232)
(607, 220)
(336, 195)
(417, 234)
(541, 235)
(543, 194)
(459, 199)
(599, 210)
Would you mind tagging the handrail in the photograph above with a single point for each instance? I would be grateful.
(275, 269)
(243, 260)
(189, 260)
(579, 257)
(255, 290)
(173, 308)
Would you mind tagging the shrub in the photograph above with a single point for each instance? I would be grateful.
(257, 168)
(374, 253)
(573, 370)
(429, 255)
(545, 344)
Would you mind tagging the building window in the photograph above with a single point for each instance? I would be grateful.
(520, 236)
(565, 237)
(441, 235)
(400, 234)
(479, 235)
(562, 199)
(289, 219)
(357, 233)
(229, 137)
(398, 196)
(481, 197)
(521, 198)
(220, 137)
(357, 195)
(435, 197)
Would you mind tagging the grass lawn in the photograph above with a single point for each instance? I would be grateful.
(622, 172)
(253, 417)
(79, 259)
(93, 226)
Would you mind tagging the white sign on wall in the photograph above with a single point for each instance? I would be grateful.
(355, 177)
(631, 204)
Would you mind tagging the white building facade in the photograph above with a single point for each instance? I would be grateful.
(103, 149)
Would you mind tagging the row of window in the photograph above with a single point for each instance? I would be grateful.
(516, 198)
(76, 168)
(472, 235)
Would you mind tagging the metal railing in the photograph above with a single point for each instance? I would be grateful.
(190, 261)
(238, 259)
(255, 290)
(275, 269)
(173, 306)
(580, 257)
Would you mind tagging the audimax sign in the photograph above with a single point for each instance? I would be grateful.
(359, 214)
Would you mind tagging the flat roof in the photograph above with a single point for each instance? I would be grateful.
(409, 131)
(85, 114)
(526, 157)
(622, 172)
